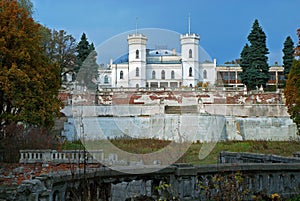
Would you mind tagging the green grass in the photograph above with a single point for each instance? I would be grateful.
(142, 146)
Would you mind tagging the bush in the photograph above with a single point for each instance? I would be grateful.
(16, 137)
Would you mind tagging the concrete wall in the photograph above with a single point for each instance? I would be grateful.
(260, 128)
(253, 110)
(194, 127)
(169, 127)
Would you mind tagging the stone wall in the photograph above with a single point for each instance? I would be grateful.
(181, 181)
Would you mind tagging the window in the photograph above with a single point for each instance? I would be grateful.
(137, 54)
(137, 72)
(172, 74)
(105, 79)
(190, 53)
(163, 75)
(153, 75)
(121, 75)
(190, 72)
(204, 74)
(137, 86)
(73, 77)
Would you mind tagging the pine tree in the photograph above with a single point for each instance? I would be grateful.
(83, 49)
(88, 72)
(255, 66)
(288, 55)
(87, 67)
(245, 64)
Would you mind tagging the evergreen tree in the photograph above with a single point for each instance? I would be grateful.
(83, 49)
(87, 67)
(88, 72)
(254, 61)
(245, 64)
(288, 55)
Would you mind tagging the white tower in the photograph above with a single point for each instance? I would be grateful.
(190, 59)
(137, 60)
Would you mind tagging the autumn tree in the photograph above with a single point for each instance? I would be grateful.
(29, 82)
(254, 60)
(292, 88)
(27, 6)
(288, 55)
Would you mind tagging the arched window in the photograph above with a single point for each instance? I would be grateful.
(137, 54)
(105, 79)
(172, 74)
(204, 74)
(121, 75)
(137, 72)
(190, 53)
(190, 72)
(163, 75)
(137, 86)
(153, 75)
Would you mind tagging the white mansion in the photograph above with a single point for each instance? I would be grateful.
(163, 68)
(143, 67)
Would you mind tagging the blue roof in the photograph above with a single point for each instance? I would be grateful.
(153, 57)
(122, 59)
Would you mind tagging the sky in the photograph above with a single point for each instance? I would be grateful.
(223, 25)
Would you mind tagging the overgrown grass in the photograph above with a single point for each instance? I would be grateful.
(141, 146)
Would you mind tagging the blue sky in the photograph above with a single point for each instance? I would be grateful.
(223, 25)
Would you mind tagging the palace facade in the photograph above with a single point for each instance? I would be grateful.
(163, 68)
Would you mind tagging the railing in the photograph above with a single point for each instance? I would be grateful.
(244, 157)
(181, 89)
(64, 156)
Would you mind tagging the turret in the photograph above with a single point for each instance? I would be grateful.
(137, 60)
(190, 58)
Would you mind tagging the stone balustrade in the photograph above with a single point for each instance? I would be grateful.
(244, 157)
(185, 182)
(63, 156)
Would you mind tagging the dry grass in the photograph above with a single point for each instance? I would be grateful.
(142, 146)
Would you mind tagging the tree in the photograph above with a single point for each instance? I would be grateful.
(83, 49)
(29, 82)
(245, 64)
(297, 48)
(60, 48)
(288, 55)
(254, 62)
(89, 71)
(87, 67)
(292, 92)
(292, 88)
(27, 6)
